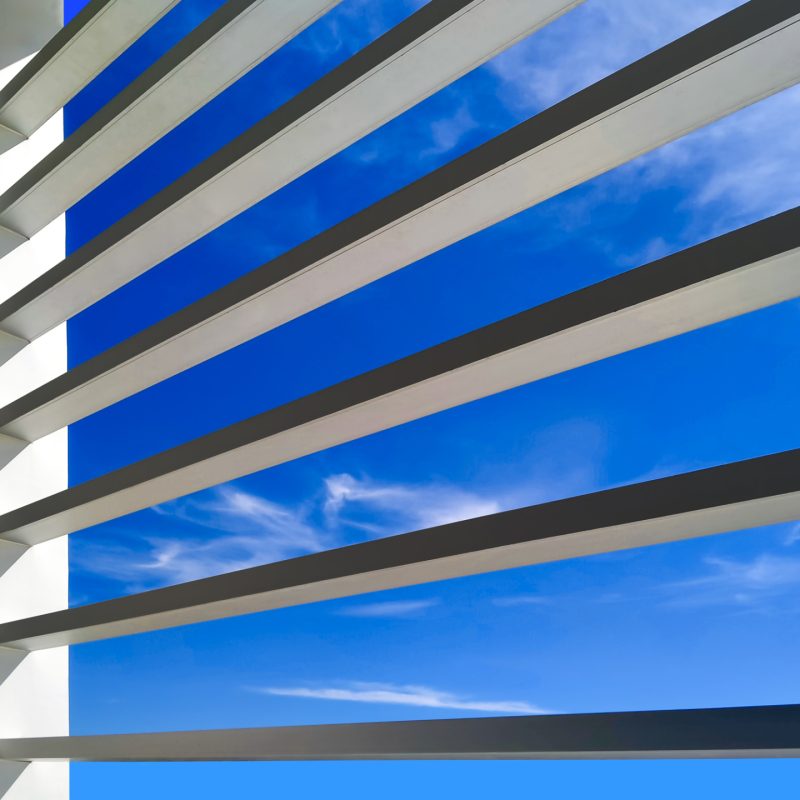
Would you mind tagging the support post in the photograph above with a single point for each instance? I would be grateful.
(34, 688)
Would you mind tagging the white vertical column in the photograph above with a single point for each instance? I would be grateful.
(34, 688)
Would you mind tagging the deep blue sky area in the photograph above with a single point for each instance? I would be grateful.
(706, 622)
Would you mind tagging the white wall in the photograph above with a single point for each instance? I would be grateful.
(34, 690)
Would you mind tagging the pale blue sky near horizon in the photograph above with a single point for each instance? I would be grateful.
(706, 622)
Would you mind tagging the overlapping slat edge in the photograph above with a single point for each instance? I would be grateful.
(644, 305)
(234, 39)
(745, 732)
(756, 492)
(740, 732)
(435, 45)
(770, 247)
(737, 59)
(73, 57)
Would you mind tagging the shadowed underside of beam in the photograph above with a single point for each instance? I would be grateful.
(733, 61)
(531, 162)
(230, 42)
(739, 272)
(438, 43)
(751, 732)
(69, 61)
(745, 494)
(630, 310)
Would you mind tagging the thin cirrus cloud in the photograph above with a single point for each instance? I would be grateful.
(746, 585)
(593, 41)
(391, 609)
(242, 530)
(403, 695)
(384, 508)
(229, 529)
(793, 535)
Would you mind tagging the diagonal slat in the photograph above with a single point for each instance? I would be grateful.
(767, 249)
(757, 492)
(69, 61)
(233, 40)
(433, 47)
(746, 732)
(597, 128)
(696, 287)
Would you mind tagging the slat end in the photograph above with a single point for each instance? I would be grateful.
(9, 138)
(10, 448)
(10, 345)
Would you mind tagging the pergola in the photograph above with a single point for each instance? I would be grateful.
(731, 62)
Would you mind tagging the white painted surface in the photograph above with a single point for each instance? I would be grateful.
(27, 26)
(701, 304)
(34, 693)
(240, 46)
(82, 58)
(656, 530)
(448, 52)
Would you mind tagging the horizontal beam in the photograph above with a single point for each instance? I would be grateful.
(760, 491)
(747, 732)
(754, 267)
(236, 38)
(72, 58)
(696, 287)
(428, 50)
(529, 163)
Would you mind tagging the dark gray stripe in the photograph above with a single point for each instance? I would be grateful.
(748, 245)
(622, 291)
(385, 47)
(761, 731)
(675, 58)
(58, 43)
(196, 39)
(743, 481)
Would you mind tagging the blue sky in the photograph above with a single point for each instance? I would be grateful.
(704, 622)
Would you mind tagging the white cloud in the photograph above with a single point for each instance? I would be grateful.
(591, 42)
(735, 171)
(248, 530)
(447, 132)
(339, 27)
(399, 506)
(748, 584)
(793, 536)
(393, 694)
(391, 609)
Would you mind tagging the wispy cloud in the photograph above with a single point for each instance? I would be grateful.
(733, 172)
(383, 508)
(737, 170)
(446, 132)
(745, 585)
(391, 609)
(230, 529)
(793, 535)
(247, 530)
(357, 21)
(591, 42)
(394, 694)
